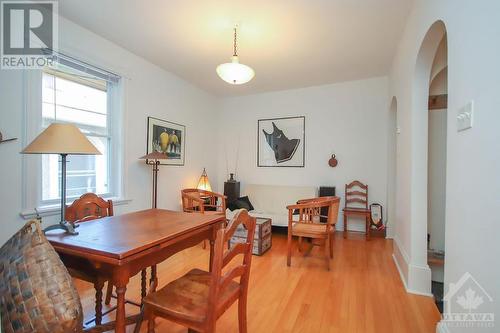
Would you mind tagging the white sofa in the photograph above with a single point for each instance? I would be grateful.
(270, 201)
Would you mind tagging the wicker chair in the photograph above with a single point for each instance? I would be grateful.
(36, 291)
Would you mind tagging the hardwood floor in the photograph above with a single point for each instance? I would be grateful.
(361, 293)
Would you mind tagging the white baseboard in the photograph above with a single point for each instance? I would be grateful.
(416, 273)
(401, 276)
(419, 280)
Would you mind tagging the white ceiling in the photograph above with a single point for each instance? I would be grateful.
(289, 43)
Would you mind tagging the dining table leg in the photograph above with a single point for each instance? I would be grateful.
(121, 279)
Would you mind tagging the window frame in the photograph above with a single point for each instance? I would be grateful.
(32, 164)
(109, 136)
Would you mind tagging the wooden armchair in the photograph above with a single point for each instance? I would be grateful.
(308, 224)
(201, 201)
(199, 298)
(204, 202)
(356, 204)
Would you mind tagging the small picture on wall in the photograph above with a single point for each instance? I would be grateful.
(167, 138)
(280, 142)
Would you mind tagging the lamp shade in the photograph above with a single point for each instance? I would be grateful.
(204, 184)
(235, 73)
(61, 139)
(154, 156)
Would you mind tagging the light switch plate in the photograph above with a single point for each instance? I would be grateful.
(465, 117)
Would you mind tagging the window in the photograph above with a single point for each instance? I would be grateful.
(74, 92)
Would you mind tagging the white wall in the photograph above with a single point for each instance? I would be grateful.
(348, 119)
(472, 242)
(149, 91)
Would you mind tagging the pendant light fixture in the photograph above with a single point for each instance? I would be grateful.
(233, 72)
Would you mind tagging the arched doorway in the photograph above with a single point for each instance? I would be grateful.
(429, 63)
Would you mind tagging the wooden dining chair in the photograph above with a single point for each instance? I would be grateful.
(356, 204)
(308, 224)
(204, 202)
(199, 298)
(86, 208)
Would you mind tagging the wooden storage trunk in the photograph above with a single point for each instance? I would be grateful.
(262, 238)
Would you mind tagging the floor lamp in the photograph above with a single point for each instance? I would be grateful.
(64, 140)
(153, 159)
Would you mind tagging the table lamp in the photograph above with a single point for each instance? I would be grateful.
(154, 160)
(62, 139)
(203, 183)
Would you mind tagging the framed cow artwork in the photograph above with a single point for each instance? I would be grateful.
(281, 142)
(167, 138)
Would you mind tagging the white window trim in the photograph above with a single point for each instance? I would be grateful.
(32, 117)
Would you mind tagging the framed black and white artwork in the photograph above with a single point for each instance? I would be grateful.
(280, 142)
(167, 138)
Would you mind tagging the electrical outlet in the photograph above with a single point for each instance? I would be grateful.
(465, 117)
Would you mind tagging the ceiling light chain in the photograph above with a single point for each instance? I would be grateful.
(235, 45)
(233, 72)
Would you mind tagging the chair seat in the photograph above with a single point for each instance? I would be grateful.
(187, 297)
(312, 229)
(354, 210)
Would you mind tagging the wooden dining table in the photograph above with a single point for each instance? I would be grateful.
(122, 246)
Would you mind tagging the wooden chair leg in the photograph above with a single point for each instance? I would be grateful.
(367, 227)
(289, 249)
(109, 293)
(98, 285)
(151, 323)
(345, 225)
(139, 320)
(330, 244)
(242, 314)
(327, 254)
(300, 244)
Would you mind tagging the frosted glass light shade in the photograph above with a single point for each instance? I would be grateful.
(235, 73)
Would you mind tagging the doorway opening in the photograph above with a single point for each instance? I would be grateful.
(429, 137)
(436, 170)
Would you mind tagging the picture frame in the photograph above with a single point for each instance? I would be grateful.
(168, 138)
(281, 142)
